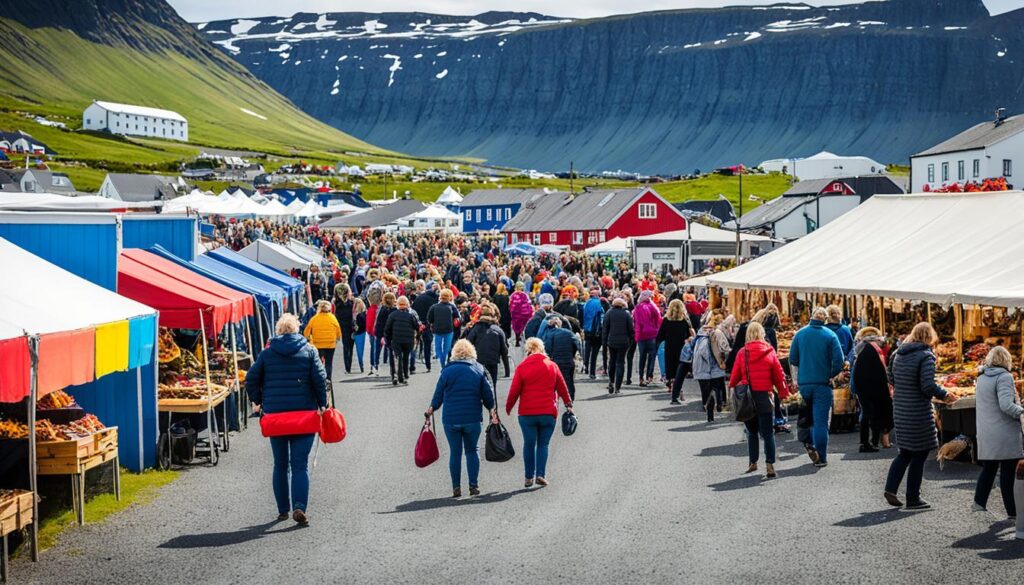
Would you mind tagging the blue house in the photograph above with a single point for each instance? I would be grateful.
(488, 209)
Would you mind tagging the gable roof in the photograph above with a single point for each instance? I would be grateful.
(376, 217)
(978, 136)
(499, 196)
(767, 214)
(589, 210)
(135, 187)
(865, 186)
(717, 208)
(11, 137)
(140, 111)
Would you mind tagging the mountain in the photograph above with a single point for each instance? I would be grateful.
(652, 92)
(56, 56)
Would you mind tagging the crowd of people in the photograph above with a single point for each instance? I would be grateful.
(411, 301)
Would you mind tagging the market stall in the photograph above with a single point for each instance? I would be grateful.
(275, 256)
(292, 287)
(200, 309)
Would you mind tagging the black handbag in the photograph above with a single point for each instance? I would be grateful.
(742, 394)
(497, 443)
(569, 423)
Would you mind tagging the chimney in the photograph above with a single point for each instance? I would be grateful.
(1000, 116)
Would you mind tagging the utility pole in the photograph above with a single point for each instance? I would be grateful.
(386, 186)
(738, 216)
(572, 189)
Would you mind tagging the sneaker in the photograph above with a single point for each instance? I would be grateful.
(282, 517)
(300, 518)
(919, 505)
(593, 377)
(643, 383)
(405, 382)
(394, 381)
(820, 464)
(675, 402)
(976, 507)
(868, 449)
(457, 492)
(893, 500)
(617, 391)
(541, 481)
(474, 491)
(629, 382)
(529, 482)
(812, 453)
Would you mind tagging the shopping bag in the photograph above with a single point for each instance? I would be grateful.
(332, 426)
(742, 394)
(498, 444)
(293, 422)
(426, 445)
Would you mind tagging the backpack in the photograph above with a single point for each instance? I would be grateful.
(596, 324)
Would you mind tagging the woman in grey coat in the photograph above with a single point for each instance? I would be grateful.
(1000, 444)
(912, 375)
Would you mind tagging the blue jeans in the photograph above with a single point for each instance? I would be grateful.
(537, 431)
(374, 352)
(442, 347)
(763, 424)
(360, 343)
(648, 352)
(291, 453)
(661, 359)
(914, 460)
(464, 437)
(819, 396)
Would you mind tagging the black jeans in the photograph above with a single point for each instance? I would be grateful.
(712, 394)
(347, 346)
(568, 371)
(591, 349)
(426, 342)
(327, 356)
(1007, 468)
(617, 366)
(914, 460)
(629, 362)
(493, 371)
(680, 377)
(400, 354)
(763, 424)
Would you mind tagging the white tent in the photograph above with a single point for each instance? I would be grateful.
(449, 197)
(52, 202)
(295, 205)
(305, 251)
(274, 255)
(310, 209)
(614, 247)
(432, 217)
(824, 165)
(275, 207)
(702, 233)
(941, 248)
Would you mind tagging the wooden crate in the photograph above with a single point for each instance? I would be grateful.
(15, 512)
(99, 448)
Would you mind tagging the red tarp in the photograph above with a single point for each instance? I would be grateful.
(15, 369)
(66, 359)
(178, 293)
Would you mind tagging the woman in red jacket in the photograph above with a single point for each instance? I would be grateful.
(537, 385)
(758, 366)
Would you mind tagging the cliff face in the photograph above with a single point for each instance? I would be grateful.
(653, 92)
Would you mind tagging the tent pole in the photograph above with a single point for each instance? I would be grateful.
(881, 314)
(238, 384)
(928, 306)
(209, 388)
(33, 392)
(958, 321)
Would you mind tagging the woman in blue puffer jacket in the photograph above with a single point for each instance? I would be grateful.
(464, 389)
(286, 377)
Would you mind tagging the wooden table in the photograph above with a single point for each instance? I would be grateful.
(15, 514)
(77, 456)
(197, 406)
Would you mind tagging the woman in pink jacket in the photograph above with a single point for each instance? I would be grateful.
(646, 323)
(521, 309)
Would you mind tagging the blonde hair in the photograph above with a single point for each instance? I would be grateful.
(868, 332)
(403, 301)
(676, 311)
(358, 306)
(759, 316)
(389, 299)
(999, 357)
(923, 333)
(714, 320)
(463, 350)
(288, 323)
(755, 332)
(323, 307)
(819, 314)
(533, 345)
(835, 314)
(445, 296)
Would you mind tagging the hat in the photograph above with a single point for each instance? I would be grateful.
(645, 295)
(545, 300)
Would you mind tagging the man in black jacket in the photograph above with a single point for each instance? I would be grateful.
(400, 332)
(421, 305)
(618, 334)
(562, 347)
(533, 326)
(490, 342)
(442, 318)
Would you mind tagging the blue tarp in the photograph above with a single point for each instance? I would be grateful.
(292, 286)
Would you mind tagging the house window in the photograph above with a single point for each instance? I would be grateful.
(976, 170)
(591, 237)
(536, 239)
(515, 238)
(469, 215)
(488, 214)
(1007, 167)
(959, 170)
(508, 213)
(648, 211)
(931, 173)
(945, 172)
(552, 237)
(600, 236)
(478, 216)
(577, 238)
(88, 121)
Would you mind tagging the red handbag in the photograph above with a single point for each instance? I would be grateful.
(294, 422)
(332, 426)
(426, 445)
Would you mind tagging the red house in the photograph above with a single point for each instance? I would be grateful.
(591, 217)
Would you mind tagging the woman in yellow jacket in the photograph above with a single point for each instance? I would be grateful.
(323, 331)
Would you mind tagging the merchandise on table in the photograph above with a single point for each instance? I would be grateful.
(169, 350)
(188, 389)
(48, 431)
(55, 400)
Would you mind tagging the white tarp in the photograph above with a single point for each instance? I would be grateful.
(449, 196)
(941, 248)
(52, 202)
(434, 212)
(701, 233)
(305, 251)
(274, 255)
(274, 208)
(310, 209)
(615, 246)
(67, 302)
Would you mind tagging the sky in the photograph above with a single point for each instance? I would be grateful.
(203, 10)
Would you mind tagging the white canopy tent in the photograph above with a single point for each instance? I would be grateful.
(305, 251)
(52, 202)
(295, 205)
(274, 255)
(703, 233)
(449, 197)
(310, 209)
(616, 246)
(940, 248)
(275, 208)
(433, 217)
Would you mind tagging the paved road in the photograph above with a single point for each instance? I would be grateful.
(644, 492)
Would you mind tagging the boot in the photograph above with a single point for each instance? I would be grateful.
(770, 471)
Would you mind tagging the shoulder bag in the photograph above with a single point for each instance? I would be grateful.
(426, 451)
(497, 443)
(742, 394)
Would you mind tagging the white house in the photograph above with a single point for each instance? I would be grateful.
(135, 121)
(135, 188)
(823, 165)
(986, 151)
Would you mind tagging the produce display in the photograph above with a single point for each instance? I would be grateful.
(169, 351)
(58, 399)
(188, 389)
(47, 431)
(785, 338)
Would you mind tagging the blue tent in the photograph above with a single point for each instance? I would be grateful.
(292, 287)
(521, 249)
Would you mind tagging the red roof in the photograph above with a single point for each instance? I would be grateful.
(178, 293)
